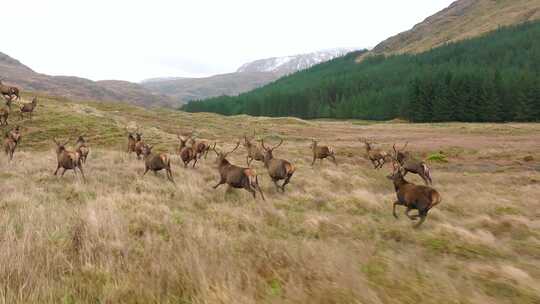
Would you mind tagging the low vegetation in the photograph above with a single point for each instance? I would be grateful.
(330, 238)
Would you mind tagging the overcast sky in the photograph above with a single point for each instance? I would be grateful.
(134, 40)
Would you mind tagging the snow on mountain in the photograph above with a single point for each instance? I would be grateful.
(290, 64)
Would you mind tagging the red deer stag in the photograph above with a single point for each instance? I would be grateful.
(29, 107)
(139, 144)
(200, 147)
(9, 93)
(4, 113)
(11, 141)
(254, 152)
(419, 197)
(187, 154)
(156, 162)
(67, 160)
(322, 152)
(82, 149)
(234, 176)
(409, 164)
(377, 157)
(278, 169)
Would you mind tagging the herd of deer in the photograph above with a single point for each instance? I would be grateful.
(190, 150)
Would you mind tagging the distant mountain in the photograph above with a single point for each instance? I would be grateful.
(461, 20)
(16, 73)
(290, 64)
(248, 77)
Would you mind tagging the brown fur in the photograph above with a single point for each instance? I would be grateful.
(322, 152)
(254, 152)
(421, 198)
(9, 146)
(234, 176)
(278, 169)
(82, 149)
(8, 92)
(139, 144)
(377, 157)
(187, 154)
(67, 160)
(156, 162)
(4, 113)
(29, 107)
(409, 164)
(200, 147)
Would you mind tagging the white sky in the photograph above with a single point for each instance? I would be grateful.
(134, 40)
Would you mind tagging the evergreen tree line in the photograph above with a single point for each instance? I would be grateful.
(495, 78)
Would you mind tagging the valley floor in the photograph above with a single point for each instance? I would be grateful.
(331, 238)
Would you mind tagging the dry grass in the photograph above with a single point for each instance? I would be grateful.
(331, 238)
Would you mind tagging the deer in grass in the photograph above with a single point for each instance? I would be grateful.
(67, 160)
(377, 157)
(29, 107)
(82, 149)
(200, 147)
(4, 113)
(187, 154)
(254, 152)
(409, 164)
(11, 141)
(8, 92)
(156, 162)
(321, 152)
(278, 169)
(139, 144)
(418, 197)
(234, 176)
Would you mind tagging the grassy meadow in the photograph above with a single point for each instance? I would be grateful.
(331, 238)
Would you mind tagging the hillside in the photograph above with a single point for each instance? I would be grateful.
(185, 89)
(494, 77)
(16, 73)
(249, 76)
(331, 238)
(291, 64)
(461, 20)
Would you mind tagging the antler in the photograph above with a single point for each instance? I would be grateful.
(402, 149)
(237, 144)
(275, 147)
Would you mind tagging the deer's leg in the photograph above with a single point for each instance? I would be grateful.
(194, 163)
(422, 215)
(247, 160)
(333, 159)
(64, 171)
(411, 217)
(313, 162)
(82, 173)
(145, 170)
(221, 182)
(169, 175)
(394, 208)
(286, 182)
(57, 168)
(276, 184)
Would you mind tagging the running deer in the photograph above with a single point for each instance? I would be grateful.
(11, 141)
(377, 157)
(156, 162)
(322, 152)
(67, 160)
(139, 144)
(29, 107)
(278, 169)
(234, 176)
(4, 113)
(131, 141)
(254, 152)
(409, 164)
(82, 149)
(200, 147)
(187, 154)
(419, 197)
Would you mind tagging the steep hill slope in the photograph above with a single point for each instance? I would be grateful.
(16, 73)
(331, 238)
(463, 19)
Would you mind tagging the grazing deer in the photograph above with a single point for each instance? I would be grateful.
(82, 149)
(278, 169)
(322, 152)
(254, 152)
(377, 157)
(187, 154)
(234, 176)
(67, 160)
(139, 144)
(421, 198)
(10, 143)
(200, 147)
(29, 107)
(9, 92)
(156, 162)
(412, 165)
(4, 113)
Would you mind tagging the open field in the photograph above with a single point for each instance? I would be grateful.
(331, 238)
